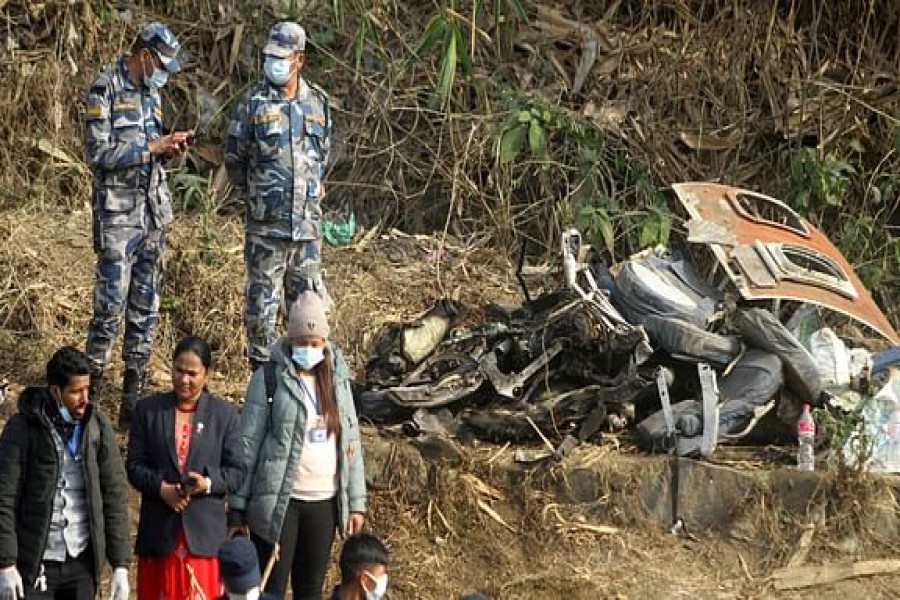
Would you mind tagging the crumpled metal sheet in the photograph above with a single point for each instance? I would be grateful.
(776, 253)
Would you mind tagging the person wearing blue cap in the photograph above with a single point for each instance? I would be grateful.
(239, 569)
(276, 152)
(125, 145)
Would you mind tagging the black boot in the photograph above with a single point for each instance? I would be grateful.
(132, 387)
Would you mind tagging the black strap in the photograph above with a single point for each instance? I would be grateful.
(271, 380)
(271, 385)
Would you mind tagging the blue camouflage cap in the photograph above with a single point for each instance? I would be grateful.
(161, 40)
(285, 38)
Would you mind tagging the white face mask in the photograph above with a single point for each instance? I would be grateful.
(380, 586)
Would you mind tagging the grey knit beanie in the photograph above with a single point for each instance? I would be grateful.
(307, 316)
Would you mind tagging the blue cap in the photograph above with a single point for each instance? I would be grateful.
(285, 38)
(162, 41)
(238, 565)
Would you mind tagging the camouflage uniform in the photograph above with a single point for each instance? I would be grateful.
(131, 209)
(275, 153)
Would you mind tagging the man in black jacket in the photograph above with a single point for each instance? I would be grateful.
(63, 491)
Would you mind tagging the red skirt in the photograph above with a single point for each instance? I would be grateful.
(179, 575)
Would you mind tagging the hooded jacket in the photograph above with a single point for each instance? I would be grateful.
(28, 478)
(271, 446)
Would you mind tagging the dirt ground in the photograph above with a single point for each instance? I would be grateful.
(442, 542)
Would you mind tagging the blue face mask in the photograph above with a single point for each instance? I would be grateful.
(157, 78)
(278, 70)
(307, 357)
(66, 415)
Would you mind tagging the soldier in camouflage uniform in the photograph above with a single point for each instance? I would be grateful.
(125, 146)
(276, 152)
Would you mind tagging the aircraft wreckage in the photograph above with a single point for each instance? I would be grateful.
(689, 347)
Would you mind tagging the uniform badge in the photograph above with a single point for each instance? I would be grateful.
(94, 111)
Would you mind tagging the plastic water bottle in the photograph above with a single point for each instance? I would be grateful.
(806, 437)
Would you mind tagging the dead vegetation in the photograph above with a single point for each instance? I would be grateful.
(502, 123)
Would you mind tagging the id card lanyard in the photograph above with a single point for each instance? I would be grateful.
(319, 433)
(317, 404)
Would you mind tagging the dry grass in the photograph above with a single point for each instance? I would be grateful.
(46, 270)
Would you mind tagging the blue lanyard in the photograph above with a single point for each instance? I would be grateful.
(313, 399)
(74, 441)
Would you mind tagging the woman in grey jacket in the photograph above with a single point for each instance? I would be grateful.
(302, 451)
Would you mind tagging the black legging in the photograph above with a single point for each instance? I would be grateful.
(304, 549)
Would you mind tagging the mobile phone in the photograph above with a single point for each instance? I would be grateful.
(189, 484)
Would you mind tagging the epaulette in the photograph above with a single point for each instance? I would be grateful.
(105, 79)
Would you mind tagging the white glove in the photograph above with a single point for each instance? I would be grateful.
(11, 587)
(119, 588)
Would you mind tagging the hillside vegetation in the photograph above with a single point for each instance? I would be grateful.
(501, 122)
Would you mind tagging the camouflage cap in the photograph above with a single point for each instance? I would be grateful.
(161, 40)
(285, 38)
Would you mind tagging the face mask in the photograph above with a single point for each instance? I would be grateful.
(380, 587)
(66, 415)
(278, 70)
(157, 78)
(307, 357)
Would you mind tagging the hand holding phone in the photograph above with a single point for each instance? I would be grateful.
(189, 484)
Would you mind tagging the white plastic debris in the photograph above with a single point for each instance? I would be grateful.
(831, 357)
(881, 416)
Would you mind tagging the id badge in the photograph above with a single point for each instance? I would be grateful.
(319, 433)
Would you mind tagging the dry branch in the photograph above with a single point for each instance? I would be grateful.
(794, 578)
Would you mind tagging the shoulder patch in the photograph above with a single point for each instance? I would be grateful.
(102, 82)
(267, 116)
(95, 111)
(123, 105)
(317, 118)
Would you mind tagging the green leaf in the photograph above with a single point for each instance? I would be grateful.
(649, 233)
(434, 32)
(536, 140)
(517, 8)
(359, 42)
(665, 226)
(512, 141)
(876, 194)
(448, 66)
(337, 8)
(604, 226)
(524, 116)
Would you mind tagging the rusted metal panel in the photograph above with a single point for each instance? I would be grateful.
(776, 253)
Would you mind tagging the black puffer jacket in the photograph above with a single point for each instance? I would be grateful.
(29, 467)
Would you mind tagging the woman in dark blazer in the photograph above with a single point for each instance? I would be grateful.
(184, 457)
